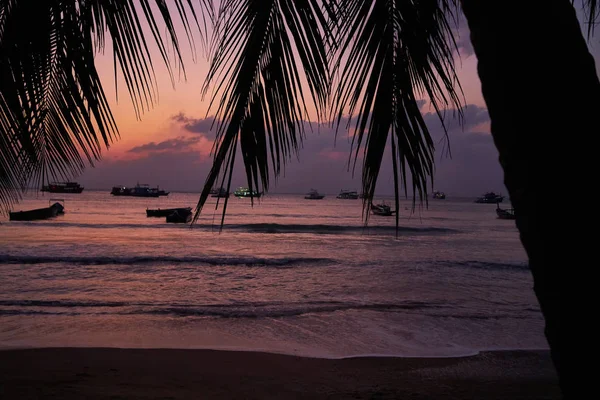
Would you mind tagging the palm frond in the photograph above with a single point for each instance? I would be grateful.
(592, 11)
(392, 54)
(54, 115)
(267, 49)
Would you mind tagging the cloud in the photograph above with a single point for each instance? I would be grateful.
(175, 145)
(462, 35)
(473, 116)
(195, 125)
(180, 164)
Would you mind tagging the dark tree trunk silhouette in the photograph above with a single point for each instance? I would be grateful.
(541, 88)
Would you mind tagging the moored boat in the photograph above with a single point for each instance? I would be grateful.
(180, 216)
(439, 195)
(245, 192)
(314, 195)
(163, 212)
(39, 213)
(140, 190)
(382, 209)
(220, 193)
(490, 198)
(505, 213)
(347, 195)
(62, 187)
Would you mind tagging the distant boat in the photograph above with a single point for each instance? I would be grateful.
(490, 198)
(439, 195)
(39, 213)
(245, 192)
(314, 195)
(347, 195)
(163, 212)
(180, 216)
(221, 193)
(140, 190)
(382, 209)
(62, 187)
(505, 213)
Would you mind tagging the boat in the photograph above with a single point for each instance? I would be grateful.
(180, 216)
(62, 187)
(347, 195)
(51, 211)
(163, 212)
(221, 193)
(505, 213)
(140, 190)
(490, 198)
(162, 192)
(245, 192)
(314, 195)
(439, 195)
(382, 209)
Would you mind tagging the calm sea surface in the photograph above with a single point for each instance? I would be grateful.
(288, 275)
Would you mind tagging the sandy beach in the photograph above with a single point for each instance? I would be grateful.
(108, 373)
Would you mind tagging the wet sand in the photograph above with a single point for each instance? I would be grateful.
(107, 373)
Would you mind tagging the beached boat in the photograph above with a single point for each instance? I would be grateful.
(245, 192)
(505, 213)
(180, 216)
(490, 198)
(140, 190)
(163, 212)
(221, 193)
(51, 211)
(314, 195)
(382, 209)
(347, 195)
(62, 187)
(439, 195)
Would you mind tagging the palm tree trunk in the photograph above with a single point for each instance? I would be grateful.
(543, 95)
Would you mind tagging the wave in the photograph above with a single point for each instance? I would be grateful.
(136, 260)
(258, 228)
(249, 310)
(240, 310)
(484, 265)
(331, 229)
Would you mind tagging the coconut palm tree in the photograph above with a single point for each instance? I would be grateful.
(374, 60)
(543, 57)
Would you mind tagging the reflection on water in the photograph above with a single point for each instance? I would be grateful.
(288, 275)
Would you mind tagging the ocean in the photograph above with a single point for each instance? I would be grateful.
(289, 275)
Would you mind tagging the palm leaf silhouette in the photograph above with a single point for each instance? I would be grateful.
(54, 114)
(264, 50)
(392, 54)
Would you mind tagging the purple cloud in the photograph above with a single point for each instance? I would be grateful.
(176, 145)
(202, 126)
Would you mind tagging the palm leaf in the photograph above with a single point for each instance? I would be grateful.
(54, 115)
(393, 53)
(266, 51)
(592, 10)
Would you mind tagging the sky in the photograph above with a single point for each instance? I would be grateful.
(170, 144)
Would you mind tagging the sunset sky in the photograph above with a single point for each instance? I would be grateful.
(170, 145)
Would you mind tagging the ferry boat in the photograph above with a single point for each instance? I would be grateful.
(245, 192)
(63, 187)
(140, 190)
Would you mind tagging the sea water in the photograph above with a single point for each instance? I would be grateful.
(286, 275)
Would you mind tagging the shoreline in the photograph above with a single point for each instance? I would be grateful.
(115, 373)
